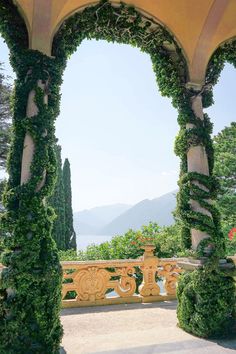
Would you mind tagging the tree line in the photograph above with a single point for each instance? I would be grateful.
(61, 200)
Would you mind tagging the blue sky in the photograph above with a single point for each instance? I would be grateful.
(116, 129)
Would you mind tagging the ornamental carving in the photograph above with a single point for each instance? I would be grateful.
(126, 285)
(170, 272)
(91, 284)
(106, 282)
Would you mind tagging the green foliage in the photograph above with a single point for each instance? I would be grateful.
(198, 134)
(230, 244)
(63, 231)
(166, 239)
(30, 313)
(68, 255)
(206, 301)
(225, 171)
(57, 201)
(70, 236)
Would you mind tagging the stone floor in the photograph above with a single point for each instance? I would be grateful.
(132, 329)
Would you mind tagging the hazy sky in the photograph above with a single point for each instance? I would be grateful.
(117, 130)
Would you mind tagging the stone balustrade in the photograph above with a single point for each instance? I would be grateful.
(102, 282)
(93, 283)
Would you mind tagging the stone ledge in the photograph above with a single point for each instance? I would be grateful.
(193, 264)
(117, 301)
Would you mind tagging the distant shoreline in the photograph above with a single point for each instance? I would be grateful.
(85, 240)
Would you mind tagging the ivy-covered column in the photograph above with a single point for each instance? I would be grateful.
(31, 280)
(197, 162)
(30, 283)
(29, 146)
(206, 293)
(197, 186)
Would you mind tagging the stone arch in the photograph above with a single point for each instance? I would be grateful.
(102, 21)
(143, 12)
(165, 45)
(225, 52)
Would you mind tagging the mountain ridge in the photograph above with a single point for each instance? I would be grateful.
(157, 210)
(119, 218)
(90, 221)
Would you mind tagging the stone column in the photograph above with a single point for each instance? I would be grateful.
(197, 162)
(29, 146)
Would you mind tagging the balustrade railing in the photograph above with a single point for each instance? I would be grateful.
(93, 283)
(146, 279)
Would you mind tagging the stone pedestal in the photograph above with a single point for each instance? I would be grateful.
(149, 268)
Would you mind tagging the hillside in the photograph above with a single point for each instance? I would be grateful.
(91, 221)
(158, 210)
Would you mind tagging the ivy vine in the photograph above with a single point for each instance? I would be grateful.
(30, 285)
(31, 282)
(206, 297)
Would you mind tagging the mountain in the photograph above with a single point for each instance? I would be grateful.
(158, 210)
(91, 221)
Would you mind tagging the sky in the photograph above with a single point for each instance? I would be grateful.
(116, 129)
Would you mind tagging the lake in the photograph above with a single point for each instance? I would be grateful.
(84, 240)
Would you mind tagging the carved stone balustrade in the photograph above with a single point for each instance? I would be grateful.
(93, 283)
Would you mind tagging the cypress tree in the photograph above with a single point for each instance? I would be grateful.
(57, 201)
(70, 236)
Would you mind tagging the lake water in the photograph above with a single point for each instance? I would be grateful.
(84, 240)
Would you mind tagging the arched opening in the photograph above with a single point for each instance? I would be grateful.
(121, 147)
(125, 25)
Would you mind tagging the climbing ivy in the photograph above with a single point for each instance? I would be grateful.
(31, 281)
(206, 302)
(206, 297)
(30, 285)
